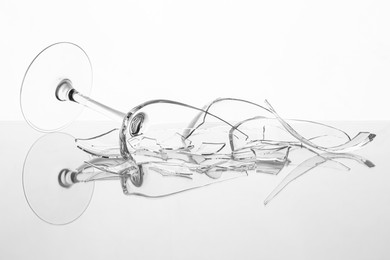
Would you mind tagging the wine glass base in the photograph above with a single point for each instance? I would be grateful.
(47, 196)
(40, 107)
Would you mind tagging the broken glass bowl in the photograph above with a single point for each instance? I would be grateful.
(161, 147)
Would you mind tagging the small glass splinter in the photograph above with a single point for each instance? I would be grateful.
(162, 147)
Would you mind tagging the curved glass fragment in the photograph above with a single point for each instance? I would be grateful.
(355, 143)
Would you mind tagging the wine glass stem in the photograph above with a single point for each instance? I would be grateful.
(66, 92)
(97, 106)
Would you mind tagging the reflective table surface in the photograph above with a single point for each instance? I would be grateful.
(327, 213)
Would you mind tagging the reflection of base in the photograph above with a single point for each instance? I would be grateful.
(47, 182)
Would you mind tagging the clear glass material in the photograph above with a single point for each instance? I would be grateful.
(164, 147)
(51, 66)
(49, 196)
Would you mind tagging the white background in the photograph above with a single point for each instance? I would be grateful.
(310, 59)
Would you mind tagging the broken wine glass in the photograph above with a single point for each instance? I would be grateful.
(161, 147)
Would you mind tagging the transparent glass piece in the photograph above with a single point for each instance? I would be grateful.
(278, 154)
(210, 148)
(355, 143)
(270, 131)
(270, 167)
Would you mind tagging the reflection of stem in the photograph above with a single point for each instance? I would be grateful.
(312, 163)
(102, 169)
